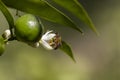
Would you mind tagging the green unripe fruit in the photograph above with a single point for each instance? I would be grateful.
(2, 45)
(28, 29)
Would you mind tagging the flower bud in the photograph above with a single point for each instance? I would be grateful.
(7, 34)
(51, 40)
(2, 45)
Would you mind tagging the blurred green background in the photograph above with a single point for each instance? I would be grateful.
(97, 57)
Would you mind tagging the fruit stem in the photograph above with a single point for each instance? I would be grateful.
(17, 13)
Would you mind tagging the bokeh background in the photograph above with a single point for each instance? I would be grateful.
(97, 57)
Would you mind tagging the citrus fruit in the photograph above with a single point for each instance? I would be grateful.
(28, 28)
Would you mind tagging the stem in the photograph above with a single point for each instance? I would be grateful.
(12, 38)
(8, 16)
(17, 13)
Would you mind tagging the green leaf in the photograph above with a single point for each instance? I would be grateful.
(67, 49)
(43, 10)
(2, 45)
(76, 9)
(7, 14)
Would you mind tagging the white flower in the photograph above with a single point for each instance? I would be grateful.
(7, 34)
(51, 40)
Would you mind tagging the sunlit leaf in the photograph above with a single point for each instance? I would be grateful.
(76, 9)
(67, 49)
(2, 45)
(43, 10)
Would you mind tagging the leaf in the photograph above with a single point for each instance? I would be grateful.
(67, 49)
(77, 9)
(2, 45)
(43, 10)
(7, 14)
